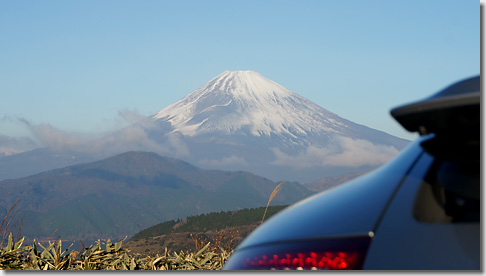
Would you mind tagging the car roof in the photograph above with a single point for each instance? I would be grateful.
(453, 110)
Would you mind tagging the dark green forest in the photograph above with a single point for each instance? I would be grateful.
(211, 221)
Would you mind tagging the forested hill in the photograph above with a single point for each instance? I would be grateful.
(211, 221)
(124, 194)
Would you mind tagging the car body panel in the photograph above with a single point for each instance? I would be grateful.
(402, 242)
(357, 206)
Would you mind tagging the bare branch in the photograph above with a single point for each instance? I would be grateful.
(4, 229)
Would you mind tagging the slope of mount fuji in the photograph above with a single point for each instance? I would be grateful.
(245, 102)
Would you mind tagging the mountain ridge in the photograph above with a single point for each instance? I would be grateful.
(124, 194)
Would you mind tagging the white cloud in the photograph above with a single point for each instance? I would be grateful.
(232, 160)
(176, 145)
(343, 151)
(133, 137)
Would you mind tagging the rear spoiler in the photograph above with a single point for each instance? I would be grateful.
(453, 111)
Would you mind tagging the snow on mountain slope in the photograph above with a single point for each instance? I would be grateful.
(246, 102)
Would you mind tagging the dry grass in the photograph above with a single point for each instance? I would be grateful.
(274, 193)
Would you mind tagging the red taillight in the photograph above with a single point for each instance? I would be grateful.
(335, 254)
(306, 260)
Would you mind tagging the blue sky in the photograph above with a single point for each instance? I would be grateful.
(80, 65)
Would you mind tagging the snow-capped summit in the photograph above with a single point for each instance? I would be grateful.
(245, 102)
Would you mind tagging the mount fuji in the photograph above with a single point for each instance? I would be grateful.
(239, 120)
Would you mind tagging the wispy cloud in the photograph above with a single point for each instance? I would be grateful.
(49, 136)
(132, 135)
(343, 151)
(17, 143)
(138, 135)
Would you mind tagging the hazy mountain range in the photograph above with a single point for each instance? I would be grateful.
(239, 120)
(127, 193)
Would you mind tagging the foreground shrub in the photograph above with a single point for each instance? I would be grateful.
(104, 255)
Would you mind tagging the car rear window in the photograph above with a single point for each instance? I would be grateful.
(450, 191)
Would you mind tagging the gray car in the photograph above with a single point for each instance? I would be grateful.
(420, 211)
